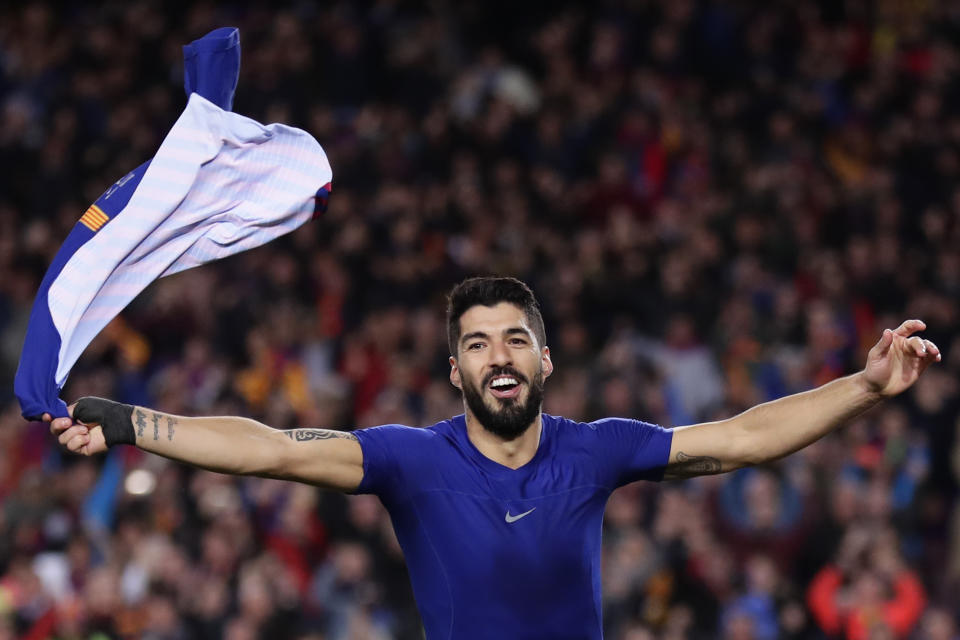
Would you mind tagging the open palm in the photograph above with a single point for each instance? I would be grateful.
(898, 359)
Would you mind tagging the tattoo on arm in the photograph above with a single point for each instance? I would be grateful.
(170, 422)
(141, 422)
(690, 466)
(306, 435)
(156, 425)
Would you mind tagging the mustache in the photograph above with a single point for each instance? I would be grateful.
(503, 371)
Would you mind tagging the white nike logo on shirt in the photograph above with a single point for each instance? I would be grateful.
(511, 518)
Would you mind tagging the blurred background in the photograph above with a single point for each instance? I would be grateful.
(717, 203)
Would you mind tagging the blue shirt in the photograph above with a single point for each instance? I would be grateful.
(495, 552)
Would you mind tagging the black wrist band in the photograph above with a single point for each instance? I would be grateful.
(115, 418)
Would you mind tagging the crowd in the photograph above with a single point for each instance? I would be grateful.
(717, 203)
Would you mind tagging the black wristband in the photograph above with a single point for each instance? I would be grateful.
(115, 418)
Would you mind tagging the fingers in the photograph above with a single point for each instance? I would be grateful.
(74, 437)
(911, 345)
(59, 425)
(77, 442)
(909, 327)
(915, 346)
(923, 349)
(933, 350)
(886, 340)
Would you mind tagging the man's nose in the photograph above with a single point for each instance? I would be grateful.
(500, 354)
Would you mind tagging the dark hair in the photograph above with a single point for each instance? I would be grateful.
(490, 291)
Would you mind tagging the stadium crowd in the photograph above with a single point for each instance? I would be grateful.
(717, 203)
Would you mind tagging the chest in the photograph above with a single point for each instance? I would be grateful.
(513, 530)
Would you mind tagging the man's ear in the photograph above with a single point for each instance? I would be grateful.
(455, 373)
(547, 362)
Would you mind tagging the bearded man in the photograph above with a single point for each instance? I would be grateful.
(499, 510)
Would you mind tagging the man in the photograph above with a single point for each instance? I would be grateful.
(499, 510)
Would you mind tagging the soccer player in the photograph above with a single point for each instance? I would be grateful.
(499, 510)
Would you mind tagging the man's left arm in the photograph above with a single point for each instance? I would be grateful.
(780, 427)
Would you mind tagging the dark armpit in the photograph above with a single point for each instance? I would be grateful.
(690, 466)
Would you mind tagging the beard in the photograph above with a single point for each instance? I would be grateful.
(511, 418)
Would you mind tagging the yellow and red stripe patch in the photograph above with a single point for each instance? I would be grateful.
(94, 218)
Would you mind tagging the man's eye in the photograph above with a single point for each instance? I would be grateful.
(474, 346)
(520, 341)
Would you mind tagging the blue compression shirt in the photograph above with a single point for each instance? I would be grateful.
(504, 553)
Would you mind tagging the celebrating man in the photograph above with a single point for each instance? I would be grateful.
(499, 510)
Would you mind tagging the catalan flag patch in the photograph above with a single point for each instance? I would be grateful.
(94, 218)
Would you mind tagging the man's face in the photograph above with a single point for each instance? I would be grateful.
(500, 368)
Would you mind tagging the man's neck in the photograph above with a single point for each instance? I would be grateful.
(510, 453)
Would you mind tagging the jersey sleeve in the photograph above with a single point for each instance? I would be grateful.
(632, 450)
(390, 455)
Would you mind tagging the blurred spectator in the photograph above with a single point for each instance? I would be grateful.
(868, 591)
(938, 624)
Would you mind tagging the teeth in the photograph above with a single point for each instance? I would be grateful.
(502, 382)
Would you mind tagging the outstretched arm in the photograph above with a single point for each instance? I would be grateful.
(327, 458)
(780, 427)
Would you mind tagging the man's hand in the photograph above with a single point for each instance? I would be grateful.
(780, 427)
(898, 359)
(77, 437)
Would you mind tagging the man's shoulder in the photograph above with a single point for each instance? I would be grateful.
(566, 426)
(561, 421)
(558, 425)
(567, 432)
(401, 432)
(400, 459)
(621, 450)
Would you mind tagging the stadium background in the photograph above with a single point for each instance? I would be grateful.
(717, 203)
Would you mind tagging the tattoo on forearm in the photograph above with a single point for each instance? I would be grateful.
(156, 425)
(170, 422)
(141, 422)
(690, 466)
(306, 435)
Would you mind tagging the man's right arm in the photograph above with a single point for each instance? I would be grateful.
(322, 457)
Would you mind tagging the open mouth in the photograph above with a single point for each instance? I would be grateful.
(504, 386)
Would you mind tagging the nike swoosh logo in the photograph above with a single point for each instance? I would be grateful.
(510, 518)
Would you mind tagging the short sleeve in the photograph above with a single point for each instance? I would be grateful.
(633, 450)
(390, 453)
